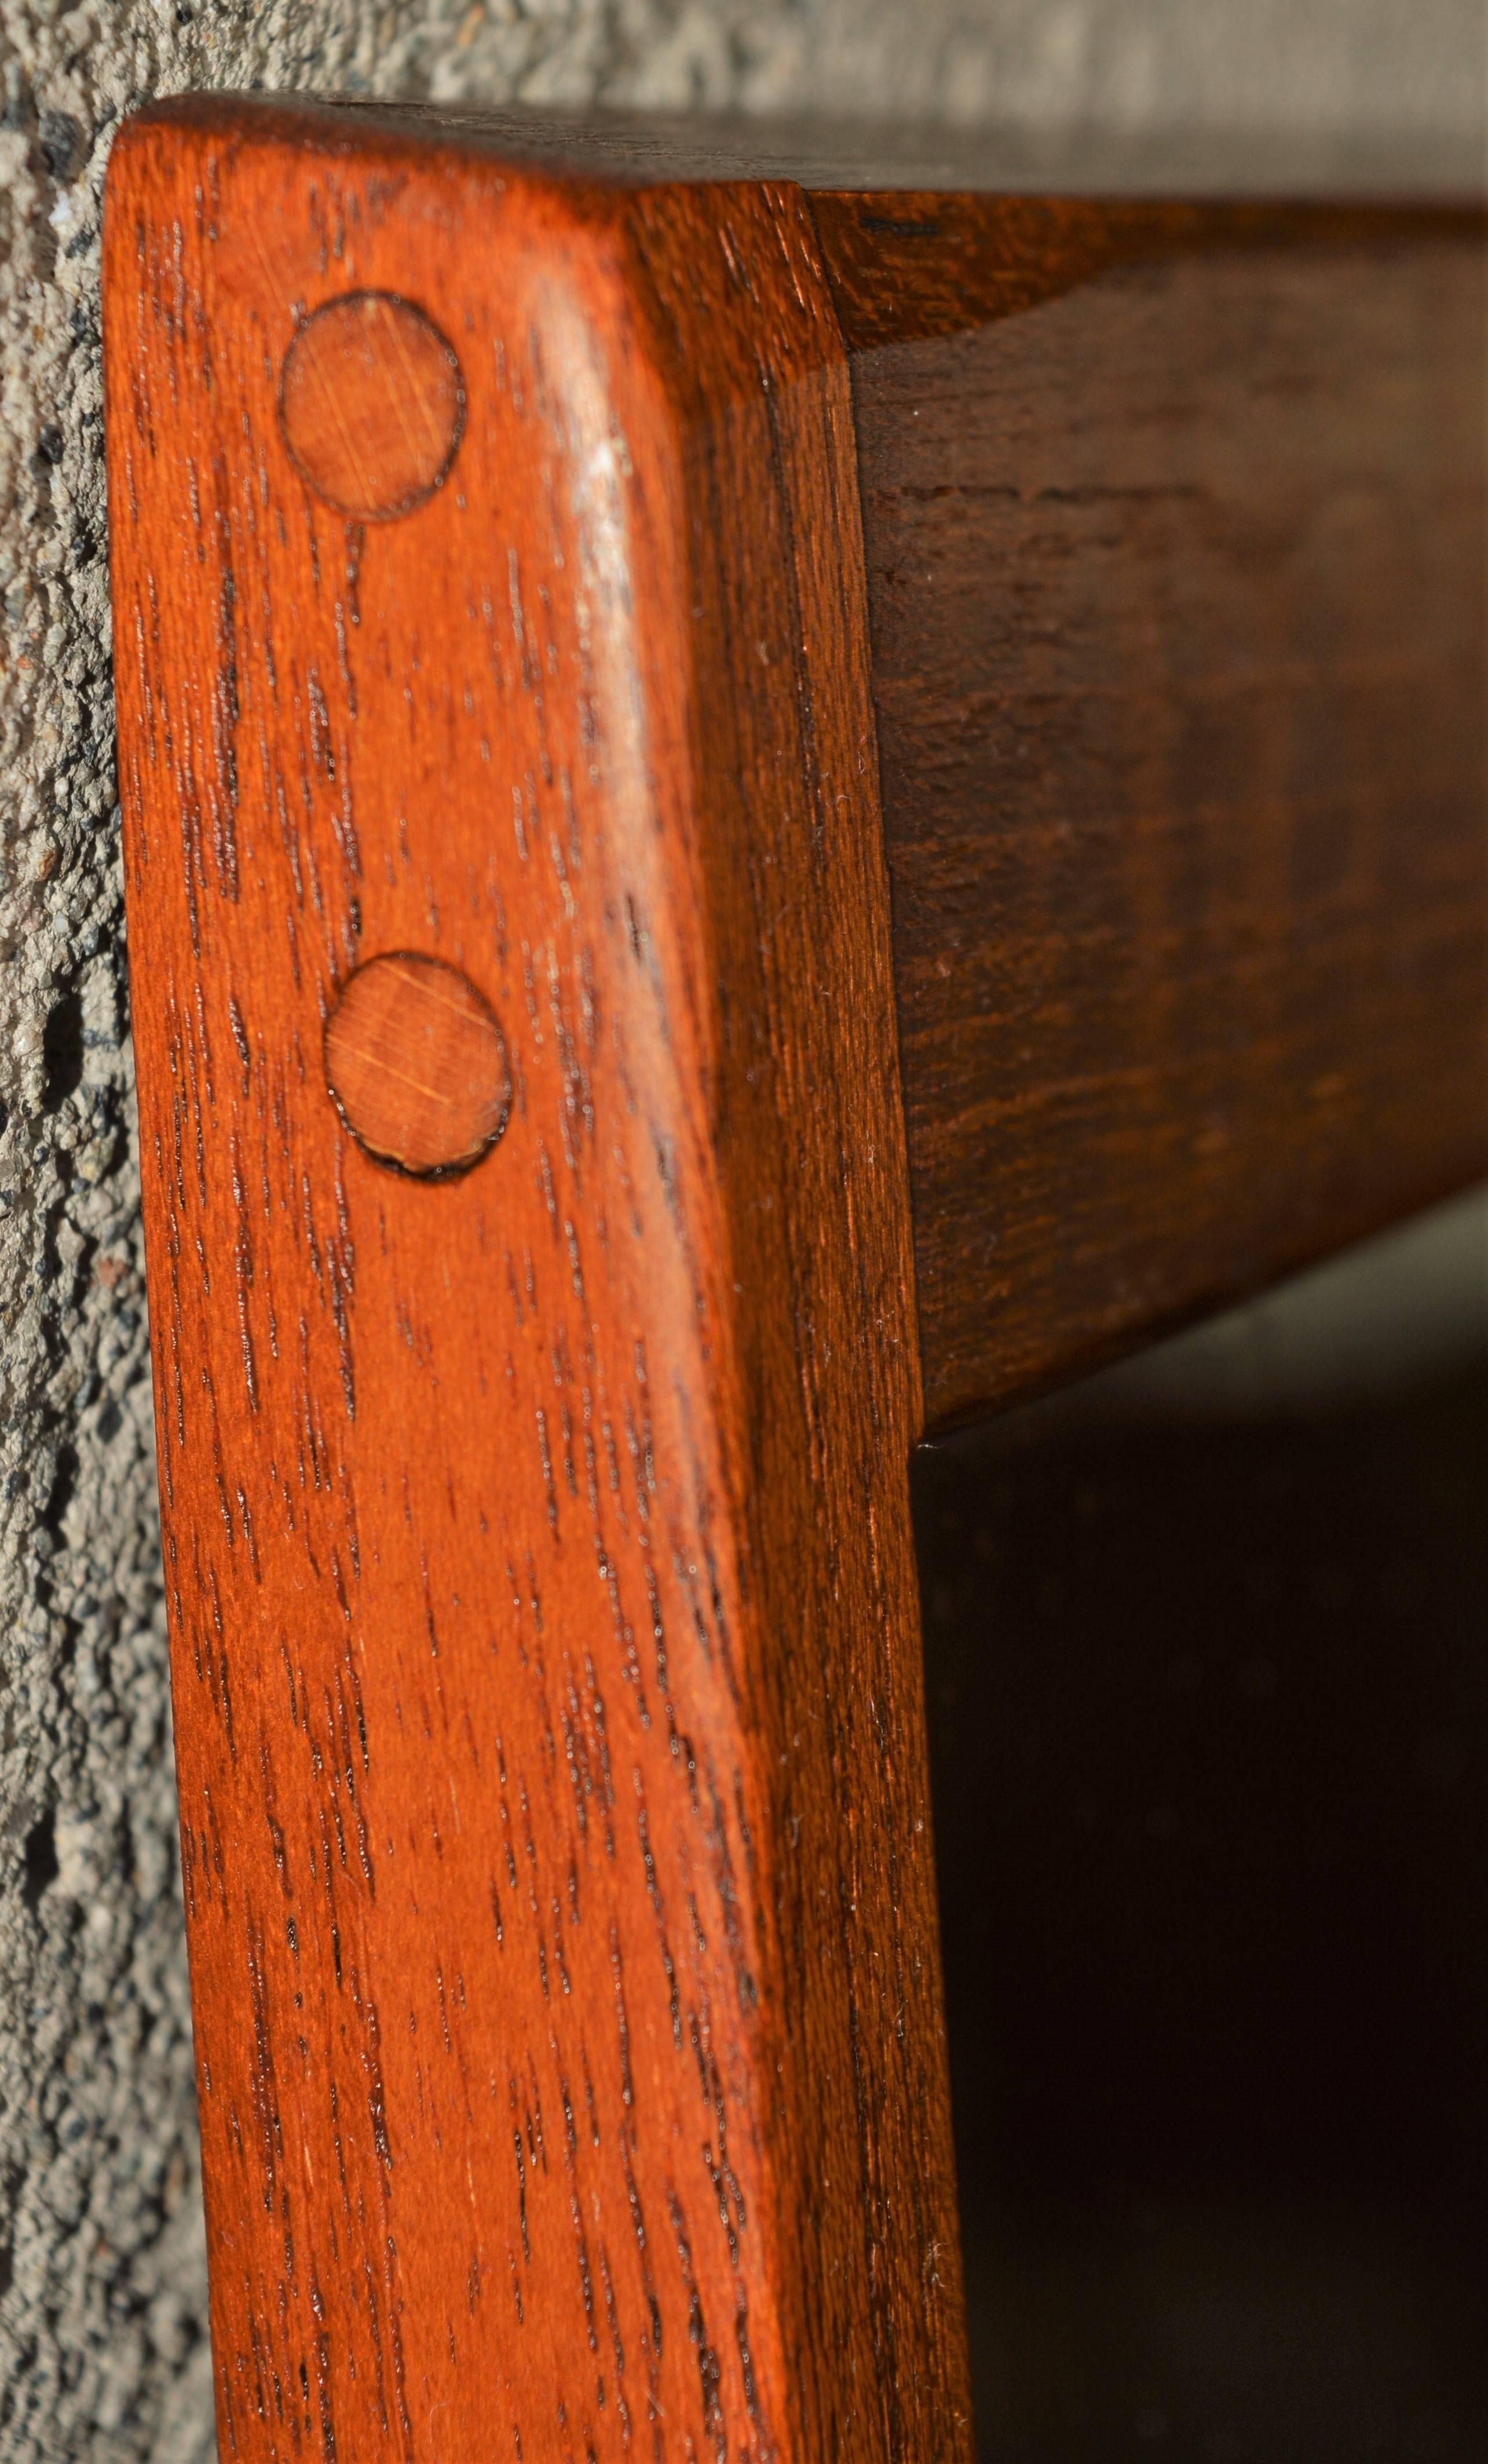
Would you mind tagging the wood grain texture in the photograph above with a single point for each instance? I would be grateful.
(490, 590)
(545, 1644)
(1174, 525)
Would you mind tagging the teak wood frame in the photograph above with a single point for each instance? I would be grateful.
(545, 1641)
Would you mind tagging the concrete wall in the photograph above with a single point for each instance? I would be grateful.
(102, 2350)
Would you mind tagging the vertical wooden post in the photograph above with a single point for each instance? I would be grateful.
(531, 1278)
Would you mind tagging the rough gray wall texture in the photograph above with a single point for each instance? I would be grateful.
(103, 2352)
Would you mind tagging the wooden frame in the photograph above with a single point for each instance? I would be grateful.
(533, 1236)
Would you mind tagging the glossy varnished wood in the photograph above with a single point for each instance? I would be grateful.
(540, 1275)
(545, 1646)
(1175, 523)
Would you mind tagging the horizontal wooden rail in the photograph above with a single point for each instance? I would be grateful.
(1175, 541)
(589, 1126)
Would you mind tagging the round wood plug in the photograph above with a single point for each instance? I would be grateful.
(416, 1065)
(371, 405)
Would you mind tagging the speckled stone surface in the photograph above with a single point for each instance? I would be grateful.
(102, 2345)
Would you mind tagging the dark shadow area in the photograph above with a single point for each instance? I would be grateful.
(1209, 1709)
(62, 1048)
(42, 1866)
